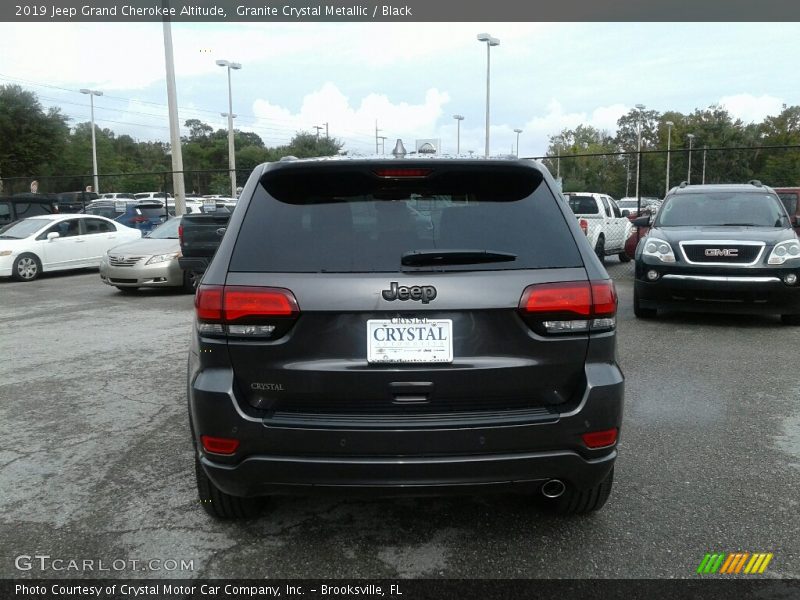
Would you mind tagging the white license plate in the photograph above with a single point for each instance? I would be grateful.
(409, 340)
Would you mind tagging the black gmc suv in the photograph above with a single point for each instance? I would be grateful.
(720, 248)
(404, 326)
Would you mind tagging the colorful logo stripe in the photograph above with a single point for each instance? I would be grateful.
(734, 563)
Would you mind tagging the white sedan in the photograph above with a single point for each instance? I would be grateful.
(58, 242)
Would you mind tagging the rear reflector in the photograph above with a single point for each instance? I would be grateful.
(600, 439)
(217, 445)
(398, 173)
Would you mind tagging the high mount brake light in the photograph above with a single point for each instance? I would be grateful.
(399, 173)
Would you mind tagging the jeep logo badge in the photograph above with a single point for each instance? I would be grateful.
(722, 252)
(426, 293)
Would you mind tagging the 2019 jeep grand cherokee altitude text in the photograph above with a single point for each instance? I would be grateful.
(405, 325)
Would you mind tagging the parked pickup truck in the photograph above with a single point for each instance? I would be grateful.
(200, 235)
(607, 230)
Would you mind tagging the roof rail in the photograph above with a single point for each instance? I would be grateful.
(756, 183)
(683, 184)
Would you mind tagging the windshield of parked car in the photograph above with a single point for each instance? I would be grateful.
(166, 231)
(23, 229)
(747, 209)
(350, 222)
(583, 205)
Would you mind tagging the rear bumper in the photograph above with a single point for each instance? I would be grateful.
(404, 458)
(749, 293)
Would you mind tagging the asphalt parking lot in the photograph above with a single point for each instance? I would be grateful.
(96, 459)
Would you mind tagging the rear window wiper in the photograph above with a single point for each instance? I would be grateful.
(454, 257)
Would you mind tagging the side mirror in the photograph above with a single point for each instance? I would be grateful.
(53, 235)
(625, 212)
(642, 221)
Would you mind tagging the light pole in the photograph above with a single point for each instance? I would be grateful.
(92, 94)
(458, 119)
(490, 41)
(704, 164)
(518, 131)
(689, 172)
(559, 143)
(231, 152)
(639, 108)
(669, 125)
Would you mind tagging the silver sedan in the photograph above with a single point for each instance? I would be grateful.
(149, 262)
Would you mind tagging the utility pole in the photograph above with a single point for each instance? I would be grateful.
(383, 144)
(174, 128)
(327, 137)
(704, 164)
(317, 127)
(376, 136)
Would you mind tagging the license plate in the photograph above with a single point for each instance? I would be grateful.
(409, 340)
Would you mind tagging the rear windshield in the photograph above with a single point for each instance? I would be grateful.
(789, 200)
(583, 205)
(109, 212)
(752, 209)
(352, 221)
(151, 212)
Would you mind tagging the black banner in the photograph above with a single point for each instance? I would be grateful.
(713, 588)
(42, 11)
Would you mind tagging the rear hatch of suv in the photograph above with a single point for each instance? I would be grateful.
(364, 291)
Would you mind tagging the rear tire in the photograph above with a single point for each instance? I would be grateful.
(27, 267)
(641, 312)
(217, 503)
(127, 291)
(790, 319)
(191, 279)
(600, 249)
(623, 257)
(579, 502)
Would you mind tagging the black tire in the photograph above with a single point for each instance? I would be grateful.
(579, 502)
(623, 257)
(27, 267)
(600, 249)
(220, 505)
(127, 291)
(641, 312)
(191, 279)
(790, 319)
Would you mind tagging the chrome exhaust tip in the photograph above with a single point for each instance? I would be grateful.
(553, 488)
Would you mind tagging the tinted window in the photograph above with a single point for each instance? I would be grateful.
(789, 200)
(168, 230)
(98, 226)
(358, 223)
(151, 212)
(615, 209)
(583, 205)
(109, 212)
(722, 208)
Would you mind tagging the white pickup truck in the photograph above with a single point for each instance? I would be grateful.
(606, 229)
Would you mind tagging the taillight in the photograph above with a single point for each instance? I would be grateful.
(218, 445)
(570, 306)
(139, 219)
(584, 225)
(180, 234)
(245, 311)
(600, 439)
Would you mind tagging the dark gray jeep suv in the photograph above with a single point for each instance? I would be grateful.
(404, 325)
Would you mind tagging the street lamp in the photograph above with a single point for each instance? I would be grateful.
(518, 131)
(92, 94)
(689, 173)
(231, 154)
(490, 41)
(640, 108)
(669, 125)
(704, 164)
(458, 119)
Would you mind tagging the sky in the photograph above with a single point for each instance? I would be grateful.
(409, 77)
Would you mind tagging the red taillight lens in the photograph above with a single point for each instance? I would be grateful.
(572, 297)
(604, 299)
(240, 302)
(234, 303)
(600, 439)
(217, 445)
(180, 234)
(403, 172)
(139, 219)
(208, 303)
(584, 225)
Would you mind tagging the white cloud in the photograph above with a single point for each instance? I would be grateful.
(355, 121)
(751, 108)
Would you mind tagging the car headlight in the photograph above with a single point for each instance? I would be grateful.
(162, 258)
(784, 251)
(659, 249)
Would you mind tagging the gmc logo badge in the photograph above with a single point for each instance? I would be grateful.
(722, 252)
(425, 293)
